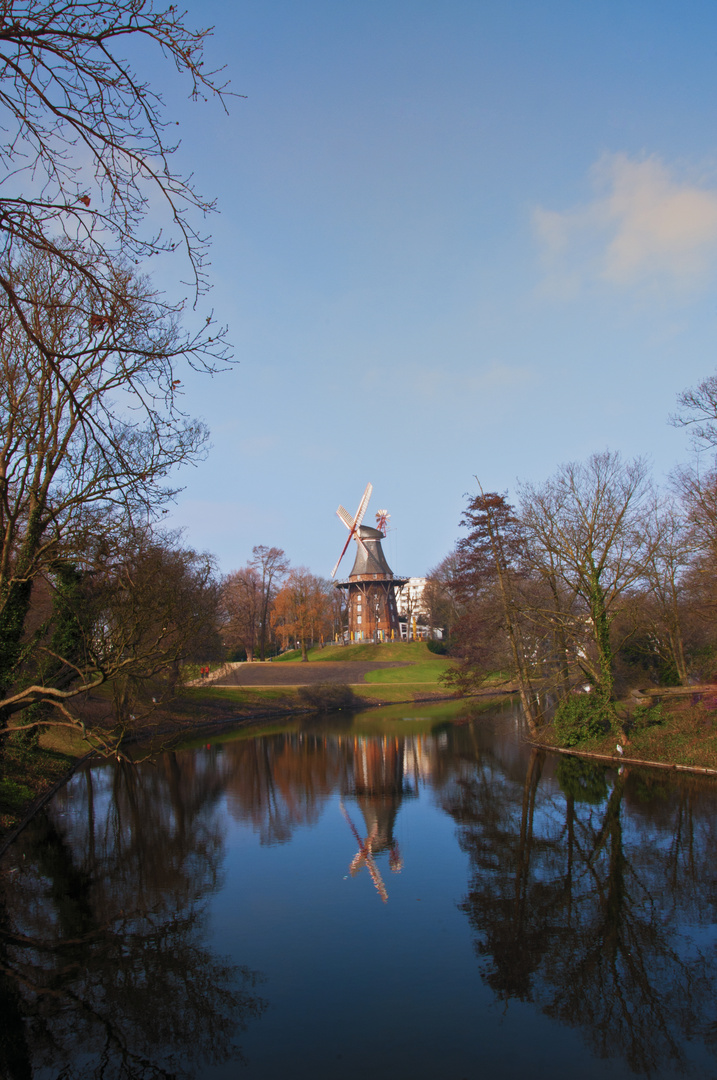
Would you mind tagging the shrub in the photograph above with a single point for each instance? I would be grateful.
(646, 716)
(328, 696)
(13, 795)
(237, 655)
(581, 717)
(438, 647)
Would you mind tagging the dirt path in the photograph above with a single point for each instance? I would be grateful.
(297, 674)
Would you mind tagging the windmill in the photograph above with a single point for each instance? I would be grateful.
(372, 610)
(382, 518)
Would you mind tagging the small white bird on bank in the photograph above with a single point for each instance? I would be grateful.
(619, 749)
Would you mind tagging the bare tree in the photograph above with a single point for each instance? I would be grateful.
(440, 595)
(86, 147)
(126, 622)
(337, 600)
(90, 429)
(242, 605)
(699, 412)
(698, 492)
(152, 607)
(90, 421)
(583, 528)
(272, 566)
(670, 545)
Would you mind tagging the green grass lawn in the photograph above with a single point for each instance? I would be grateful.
(422, 671)
(390, 651)
(393, 683)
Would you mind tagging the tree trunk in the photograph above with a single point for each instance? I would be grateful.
(601, 633)
(527, 694)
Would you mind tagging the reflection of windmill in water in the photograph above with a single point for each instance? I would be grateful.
(378, 784)
(372, 610)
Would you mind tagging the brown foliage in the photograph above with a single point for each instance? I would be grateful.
(303, 609)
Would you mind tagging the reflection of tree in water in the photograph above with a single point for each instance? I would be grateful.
(581, 910)
(282, 781)
(103, 967)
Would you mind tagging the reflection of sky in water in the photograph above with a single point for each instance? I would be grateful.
(468, 967)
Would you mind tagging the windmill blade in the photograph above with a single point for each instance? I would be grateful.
(352, 532)
(363, 505)
(348, 541)
(360, 542)
(345, 517)
(352, 524)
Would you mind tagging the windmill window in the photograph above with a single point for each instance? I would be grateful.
(358, 619)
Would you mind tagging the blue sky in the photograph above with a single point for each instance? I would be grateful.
(454, 239)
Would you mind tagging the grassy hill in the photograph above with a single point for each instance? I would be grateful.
(390, 651)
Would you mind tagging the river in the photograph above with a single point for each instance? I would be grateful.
(407, 892)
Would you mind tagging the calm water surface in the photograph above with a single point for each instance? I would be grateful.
(394, 894)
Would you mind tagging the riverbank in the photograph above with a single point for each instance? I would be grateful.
(669, 729)
(680, 734)
(31, 776)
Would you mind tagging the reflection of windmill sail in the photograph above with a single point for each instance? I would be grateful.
(364, 857)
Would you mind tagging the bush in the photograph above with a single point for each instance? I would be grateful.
(646, 716)
(328, 696)
(13, 796)
(581, 717)
(438, 647)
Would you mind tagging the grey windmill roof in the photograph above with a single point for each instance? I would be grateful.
(370, 558)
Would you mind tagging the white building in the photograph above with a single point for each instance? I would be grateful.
(412, 613)
(409, 599)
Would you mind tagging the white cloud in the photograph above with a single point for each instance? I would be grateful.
(645, 224)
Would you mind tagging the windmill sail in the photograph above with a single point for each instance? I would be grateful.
(352, 523)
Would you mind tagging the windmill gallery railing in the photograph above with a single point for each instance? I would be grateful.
(397, 579)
